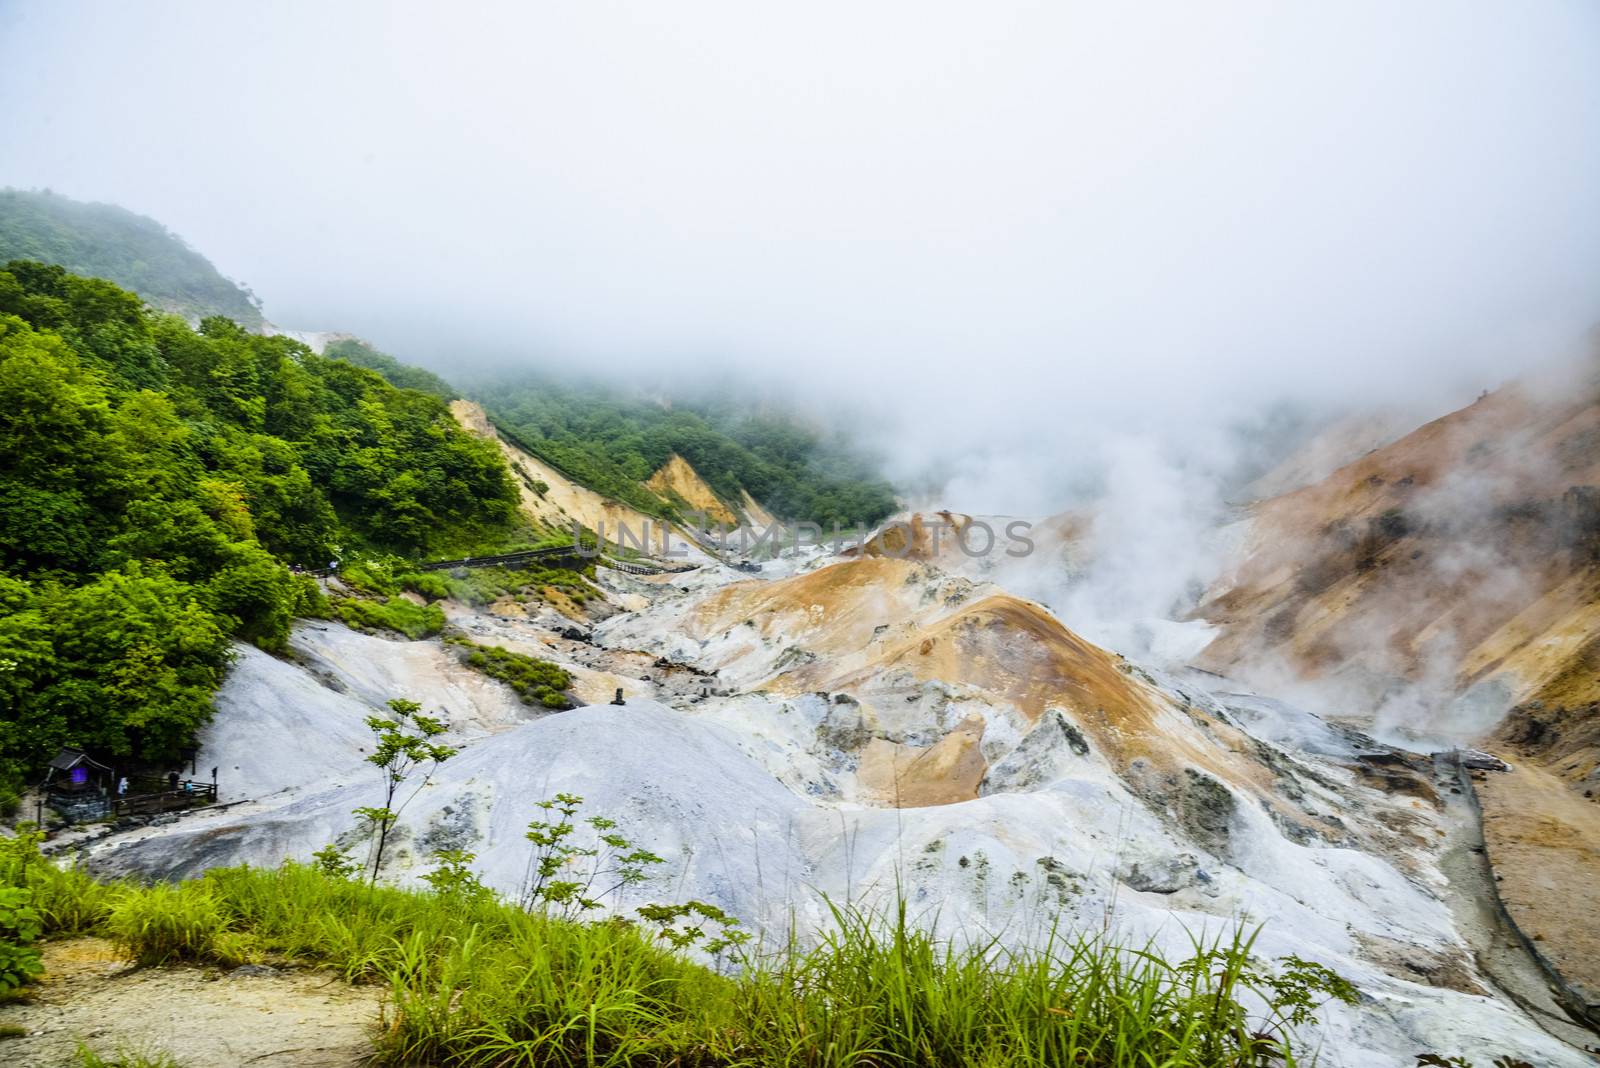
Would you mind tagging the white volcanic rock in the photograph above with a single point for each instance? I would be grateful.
(677, 786)
(278, 728)
(373, 670)
(763, 802)
(295, 723)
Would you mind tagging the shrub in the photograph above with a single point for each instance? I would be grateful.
(331, 861)
(309, 600)
(19, 926)
(480, 586)
(415, 621)
(454, 878)
(556, 882)
(66, 900)
(372, 576)
(404, 743)
(533, 679)
(433, 586)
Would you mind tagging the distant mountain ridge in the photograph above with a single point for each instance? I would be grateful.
(134, 251)
(618, 441)
(747, 456)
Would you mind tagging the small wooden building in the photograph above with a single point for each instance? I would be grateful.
(75, 773)
(78, 786)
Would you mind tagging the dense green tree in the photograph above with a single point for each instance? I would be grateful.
(358, 352)
(156, 480)
(137, 658)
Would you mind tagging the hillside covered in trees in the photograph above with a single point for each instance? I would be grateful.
(136, 252)
(604, 437)
(613, 441)
(155, 483)
(354, 350)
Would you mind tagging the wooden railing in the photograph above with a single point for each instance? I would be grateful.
(188, 794)
(635, 567)
(558, 555)
(555, 552)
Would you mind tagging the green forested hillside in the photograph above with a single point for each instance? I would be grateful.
(354, 350)
(602, 437)
(154, 482)
(611, 441)
(138, 253)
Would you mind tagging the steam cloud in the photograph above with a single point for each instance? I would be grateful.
(1034, 256)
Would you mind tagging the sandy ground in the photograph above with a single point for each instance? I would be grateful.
(201, 1017)
(1544, 841)
(1500, 955)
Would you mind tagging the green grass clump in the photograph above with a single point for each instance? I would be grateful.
(166, 924)
(125, 1058)
(415, 621)
(910, 999)
(430, 584)
(487, 984)
(534, 680)
(386, 576)
(481, 586)
(473, 980)
(68, 901)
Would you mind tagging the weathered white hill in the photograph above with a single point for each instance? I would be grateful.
(290, 723)
(877, 727)
(682, 786)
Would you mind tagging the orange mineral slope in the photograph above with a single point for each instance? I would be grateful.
(550, 498)
(881, 629)
(678, 479)
(1465, 552)
(1459, 567)
(982, 546)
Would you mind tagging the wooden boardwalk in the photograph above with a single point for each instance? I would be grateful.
(188, 794)
(566, 556)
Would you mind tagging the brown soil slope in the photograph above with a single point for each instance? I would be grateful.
(1449, 582)
(561, 502)
(678, 479)
(1467, 551)
(1544, 842)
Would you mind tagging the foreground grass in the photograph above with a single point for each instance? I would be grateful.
(90, 1058)
(473, 981)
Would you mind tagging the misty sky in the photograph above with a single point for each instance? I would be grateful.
(993, 217)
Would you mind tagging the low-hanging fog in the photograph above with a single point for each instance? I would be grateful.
(1023, 249)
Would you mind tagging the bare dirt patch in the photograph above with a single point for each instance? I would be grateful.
(199, 1016)
(1544, 841)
